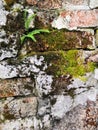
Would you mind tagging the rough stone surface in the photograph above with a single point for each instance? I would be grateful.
(48, 4)
(93, 3)
(3, 14)
(51, 84)
(80, 118)
(28, 66)
(22, 124)
(18, 108)
(17, 87)
(8, 45)
(79, 92)
(76, 19)
(75, 4)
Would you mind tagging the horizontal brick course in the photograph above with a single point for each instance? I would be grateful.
(77, 19)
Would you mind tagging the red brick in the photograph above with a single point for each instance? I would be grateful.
(87, 18)
(46, 4)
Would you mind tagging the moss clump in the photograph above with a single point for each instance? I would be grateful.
(10, 2)
(7, 115)
(74, 64)
(69, 62)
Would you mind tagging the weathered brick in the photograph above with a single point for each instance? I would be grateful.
(76, 19)
(18, 108)
(16, 87)
(65, 40)
(75, 4)
(47, 4)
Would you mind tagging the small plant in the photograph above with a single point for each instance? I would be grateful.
(30, 34)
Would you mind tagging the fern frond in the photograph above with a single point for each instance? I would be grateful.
(22, 38)
(25, 15)
(39, 31)
(44, 30)
(28, 21)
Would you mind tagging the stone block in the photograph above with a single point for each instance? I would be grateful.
(76, 19)
(16, 87)
(75, 4)
(93, 4)
(82, 117)
(62, 40)
(47, 4)
(21, 124)
(18, 108)
(43, 65)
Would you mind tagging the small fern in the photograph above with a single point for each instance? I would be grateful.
(28, 20)
(31, 33)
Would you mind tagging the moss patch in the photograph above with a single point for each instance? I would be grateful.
(62, 63)
(69, 62)
(10, 2)
(60, 40)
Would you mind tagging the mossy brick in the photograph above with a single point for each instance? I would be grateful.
(60, 40)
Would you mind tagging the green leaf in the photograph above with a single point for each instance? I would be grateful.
(32, 33)
(44, 30)
(28, 21)
(22, 38)
(39, 31)
(25, 15)
(32, 37)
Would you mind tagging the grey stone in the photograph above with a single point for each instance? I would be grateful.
(78, 92)
(21, 124)
(3, 14)
(93, 4)
(27, 67)
(62, 105)
(43, 107)
(46, 121)
(43, 83)
(24, 68)
(82, 117)
(8, 45)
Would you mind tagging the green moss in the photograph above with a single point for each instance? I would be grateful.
(61, 40)
(10, 2)
(62, 63)
(69, 62)
(7, 114)
(74, 64)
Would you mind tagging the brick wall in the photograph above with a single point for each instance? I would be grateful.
(51, 84)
